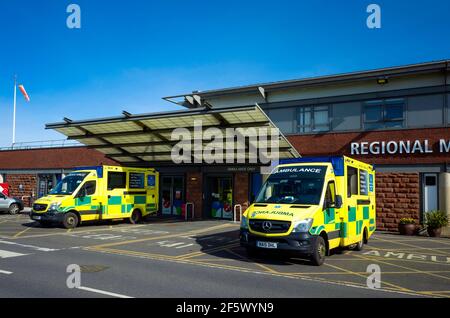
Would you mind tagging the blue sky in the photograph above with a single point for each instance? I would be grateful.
(129, 54)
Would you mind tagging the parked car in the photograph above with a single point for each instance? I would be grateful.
(10, 205)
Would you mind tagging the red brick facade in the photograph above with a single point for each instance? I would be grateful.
(241, 190)
(194, 191)
(29, 184)
(398, 196)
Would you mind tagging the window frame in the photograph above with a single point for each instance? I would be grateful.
(116, 172)
(312, 120)
(384, 121)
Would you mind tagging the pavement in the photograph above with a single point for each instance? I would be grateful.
(173, 258)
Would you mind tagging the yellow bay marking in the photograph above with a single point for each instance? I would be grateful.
(366, 275)
(21, 232)
(267, 268)
(246, 270)
(407, 251)
(408, 268)
(405, 244)
(415, 239)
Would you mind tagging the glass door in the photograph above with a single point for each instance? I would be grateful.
(172, 195)
(221, 197)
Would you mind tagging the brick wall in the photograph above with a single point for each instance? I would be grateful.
(194, 187)
(29, 182)
(398, 196)
(241, 191)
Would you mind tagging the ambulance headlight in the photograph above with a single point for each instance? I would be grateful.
(54, 206)
(244, 223)
(302, 226)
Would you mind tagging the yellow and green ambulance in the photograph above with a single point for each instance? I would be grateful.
(99, 193)
(309, 206)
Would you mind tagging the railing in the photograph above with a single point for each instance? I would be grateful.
(187, 210)
(42, 144)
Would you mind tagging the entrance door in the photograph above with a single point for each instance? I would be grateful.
(172, 195)
(430, 192)
(219, 201)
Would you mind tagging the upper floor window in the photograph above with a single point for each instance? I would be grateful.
(387, 113)
(314, 119)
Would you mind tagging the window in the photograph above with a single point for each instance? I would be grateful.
(346, 116)
(87, 189)
(314, 119)
(387, 113)
(116, 180)
(284, 119)
(363, 182)
(352, 181)
(136, 180)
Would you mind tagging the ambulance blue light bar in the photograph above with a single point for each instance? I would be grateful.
(99, 170)
(336, 162)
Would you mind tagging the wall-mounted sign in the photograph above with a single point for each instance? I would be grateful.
(399, 147)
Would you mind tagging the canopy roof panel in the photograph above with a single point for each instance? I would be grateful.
(140, 139)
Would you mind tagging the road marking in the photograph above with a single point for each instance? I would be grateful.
(37, 248)
(408, 268)
(21, 232)
(253, 271)
(98, 291)
(164, 236)
(8, 254)
(5, 272)
(267, 268)
(410, 245)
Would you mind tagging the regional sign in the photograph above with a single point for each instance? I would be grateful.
(399, 147)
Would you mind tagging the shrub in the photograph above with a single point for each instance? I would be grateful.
(436, 219)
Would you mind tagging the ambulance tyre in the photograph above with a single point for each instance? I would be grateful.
(136, 217)
(360, 245)
(70, 220)
(320, 251)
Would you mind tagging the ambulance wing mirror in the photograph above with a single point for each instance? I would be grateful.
(338, 203)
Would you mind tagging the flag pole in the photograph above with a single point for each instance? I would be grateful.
(14, 112)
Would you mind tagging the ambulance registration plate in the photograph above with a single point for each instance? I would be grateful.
(266, 244)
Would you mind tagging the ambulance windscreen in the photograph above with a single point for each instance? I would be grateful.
(69, 184)
(293, 185)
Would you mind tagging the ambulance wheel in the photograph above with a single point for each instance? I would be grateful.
(359, 246)
(136, 217)
(320, 251)
(70, 220)
(14, 209)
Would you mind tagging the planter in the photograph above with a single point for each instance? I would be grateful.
(407, 229)
(434, 232)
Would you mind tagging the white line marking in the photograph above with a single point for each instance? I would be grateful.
(8, 254)
(37, 248)
(98, 291)
(5, 272)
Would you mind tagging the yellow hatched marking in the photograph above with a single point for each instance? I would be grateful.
(365, 277)
(405, 244)
(21, 232)
(409, 268)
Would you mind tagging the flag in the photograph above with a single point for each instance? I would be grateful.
(24, 92)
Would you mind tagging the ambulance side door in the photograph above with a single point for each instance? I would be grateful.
(331, 214)
(116, 185)
(151, 186)
(86, 201)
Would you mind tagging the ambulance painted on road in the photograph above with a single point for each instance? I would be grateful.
(309, 206)
(99, 193)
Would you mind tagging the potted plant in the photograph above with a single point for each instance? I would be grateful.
(435, 221)
(407, 226)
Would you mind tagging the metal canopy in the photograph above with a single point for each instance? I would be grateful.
(140, 139)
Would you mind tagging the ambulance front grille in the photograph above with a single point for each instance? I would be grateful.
(270, 226)
(39, 207)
